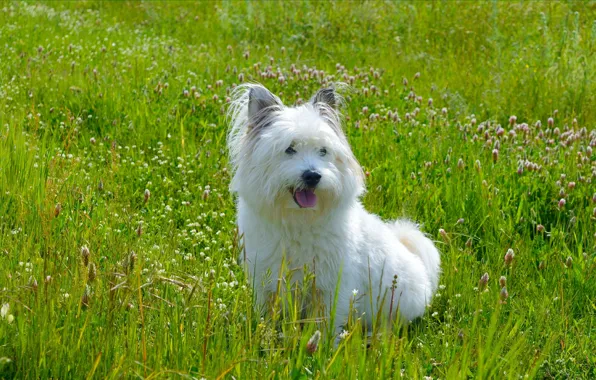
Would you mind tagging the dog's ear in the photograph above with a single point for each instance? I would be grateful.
(261, 102)
(326, 96)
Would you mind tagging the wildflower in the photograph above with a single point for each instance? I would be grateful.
(483, 281)
(443, 234)
(460, 163)
(365, 110)
(495, 155)
(569, 262)
(512, 119)
(562, 203)
(509, 256)
(139, 230)
(92, 140)
(540, 228)
(313, 342)
(502, 281)
(551, 122)
(343, 335)
(92, 274)
(4, 310)
(85, 255)
(430, 102)
(355, 292)
(504, 294)
(460, 221)
(571, 185)
(85, 297)
(131, 261)
(100, 185)
(147, 195)
(58, 208)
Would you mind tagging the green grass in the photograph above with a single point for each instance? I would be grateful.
(93, 112)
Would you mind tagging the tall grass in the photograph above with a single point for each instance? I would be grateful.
(101, 101)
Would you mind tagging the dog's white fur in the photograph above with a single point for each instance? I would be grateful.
(338, 235)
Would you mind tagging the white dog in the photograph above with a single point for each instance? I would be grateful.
(298, 185)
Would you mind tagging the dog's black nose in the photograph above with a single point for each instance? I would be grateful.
(311, 178)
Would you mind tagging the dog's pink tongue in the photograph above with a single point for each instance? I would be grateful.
(306, 198)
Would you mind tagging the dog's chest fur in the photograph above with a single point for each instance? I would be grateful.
(294, 245)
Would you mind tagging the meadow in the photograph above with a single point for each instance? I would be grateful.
(118, 245)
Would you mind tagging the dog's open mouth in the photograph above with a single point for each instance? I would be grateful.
(304, 198)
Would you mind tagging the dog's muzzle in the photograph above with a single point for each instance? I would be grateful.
(306, 197)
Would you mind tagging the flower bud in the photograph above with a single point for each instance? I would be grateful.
(313, 342)
(483, 281)
(502, 281)
(504, 294)
(509, 257)
(85, 255)
(92, 273)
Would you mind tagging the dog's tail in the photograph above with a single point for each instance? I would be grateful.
(417, 243)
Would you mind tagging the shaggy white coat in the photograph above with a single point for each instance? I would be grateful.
(382, 259)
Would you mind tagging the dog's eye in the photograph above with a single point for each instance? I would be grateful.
(290, 150)
(323, 152)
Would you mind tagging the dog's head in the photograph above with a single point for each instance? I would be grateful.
(291, 159)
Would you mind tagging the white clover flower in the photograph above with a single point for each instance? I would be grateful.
(4, 310)
(344, 334)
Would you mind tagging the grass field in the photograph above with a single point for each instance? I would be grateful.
(117, 236)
